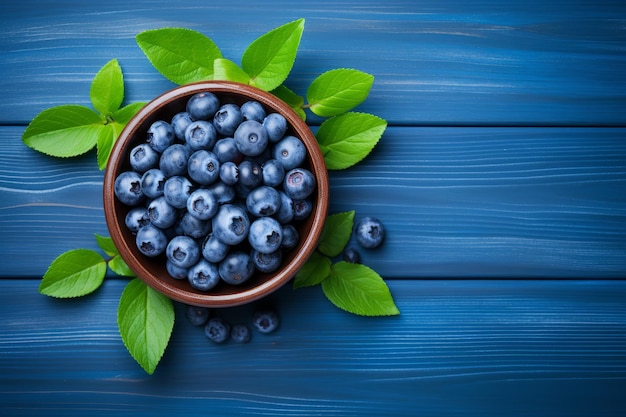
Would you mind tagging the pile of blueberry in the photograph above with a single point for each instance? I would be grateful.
(218, 189)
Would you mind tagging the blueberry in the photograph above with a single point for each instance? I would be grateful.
(194, 227)
(253, 110)
(174, 159)
(299, 183)
(231, 224)
(177, 190)
(202, 204)
(200, 135)
(227, 118)
(223, 192)
(229, 173)
(265, 320)
(161, 213)
(369, 232)
(136, 218)
(151, 241)
(203, 105)
(213, 249)
(302, 209)
(263, 201)
(290, 151)
(180, 122)
(203, 275)
(240, 333)
(175, 271)
(153, 183)
(127, 188)
(265, 234)
(251, 138)
(197, 316)
(236, 268)
(225, 150)
(351, 255)
(250, 173)
(217, 330)
(203, 167)
(183, 251)
(276, 126)
(266, 262)
(273, 172)
(160, 135)
(143, 157)
(291, 237)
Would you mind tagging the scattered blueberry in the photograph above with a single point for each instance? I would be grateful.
(197, 316)
(240, 333)
(217, 330)
(369, 232)
(351, 255)
(265, 320)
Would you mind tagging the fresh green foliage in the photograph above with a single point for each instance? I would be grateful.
(338, 91)
(71, 130)
(336, 233)
(358, 289)
(314, 271)
(181, 55)
(115, 261)
(73, 274)
(145, 319)
(294, 101)
(225, 69)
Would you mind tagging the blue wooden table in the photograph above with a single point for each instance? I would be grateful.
(501, 179)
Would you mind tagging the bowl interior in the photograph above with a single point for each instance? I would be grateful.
(152, 270)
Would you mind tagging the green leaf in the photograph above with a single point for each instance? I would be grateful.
(63, 131)
(73, 274)
(127, 112)
(181, 55)
(315, 270)
(291, 98)
(346, 139)
(337, 91)
(269, 59)
(106, 140)
(107, 88)
(106, 244)
(119, 266)
(358, 289)
(336, 233)
(225, 69)
(145, 319)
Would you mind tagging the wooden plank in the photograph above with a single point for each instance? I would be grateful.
(435, 62)
(463, 348)
(457, 202)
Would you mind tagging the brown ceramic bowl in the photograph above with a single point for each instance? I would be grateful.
(152, 270)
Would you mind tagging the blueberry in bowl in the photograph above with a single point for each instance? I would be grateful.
(189, 206)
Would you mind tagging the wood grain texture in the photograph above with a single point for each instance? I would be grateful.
(435, 62)
(457, 202)
(463, 348)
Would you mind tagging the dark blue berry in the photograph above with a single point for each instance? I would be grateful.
(290, 151)
(265, 320)
(302, 209)
(203, 167)
(217, 330)
(250, 174)
(197, 316)
(213, 249)
(160, 135)
(174, 159)
(127, 188)
(231, 224)
(291, 237)
(225, 150)
(273, 172)
(223, 192)
(203, 105)
(177, 190)
(276, 126)
(183, 251)
(161, 213)
(180, 122)
(236, 268)
(143, 157)
(286, 212)
(351, 255)
(267, 262)
(263, 201)
(229, 173)
(200, 135)
(136, 218)
(194, 227)
(153, 183)
(253, 110)
(240, 333)
(151, 241)
(227, 118)
(202, 204)
(251, 138)
(299, 183)
(265, 234)
(175, 271)
(203, 275)
(369, 232)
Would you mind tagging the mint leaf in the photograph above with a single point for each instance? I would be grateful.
(358, 289)
(269, 59)
(106, 139)
(119, 266)
(315, 270)
(225, 69)
(106, 244)
(107, 88)
(336, 233)
(73, 274)
(145, 319)
(346, 139)
(63, 131)
(337, 91)
(292, 99)
(181, 55)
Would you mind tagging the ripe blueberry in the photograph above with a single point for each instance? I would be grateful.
(180, 121)
(161, 213)
(267, 262)
(299, 183)
(127, 188)
(253, 110)
(202, 204)
(160, 135)
(290, 151)
(217, 330)
(183, 251)
(197, 316)
(203, 275)
(177, 190)
(151, 241)
(240, 333)
(265, 234)
(369, 232)
(351, 255)
(251, 138)
(263, 201)
(276, 126)
(200, 135)
(153, 183)
(143, 157)
(136, 218)
(203, 167)
(231, 224)
(203, 105)
(236, 268)
(227, 118)
(174, 159)
(213, 249)
(265, 320)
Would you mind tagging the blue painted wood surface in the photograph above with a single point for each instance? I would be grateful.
(505, 159)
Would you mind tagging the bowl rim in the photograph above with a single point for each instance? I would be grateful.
(307, 247)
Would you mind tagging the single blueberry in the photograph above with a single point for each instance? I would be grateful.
(176, 271)
(127, 188)
(225, 149)
(291, 237)
(369, 232)
(213, 249)
(263, 201)
(250, 173)
(202, 204)
(265, 234)
(265, 320)
(180, 122)
(203, 105)
(351, 255)
(229, 173)
(223, 193)
(151, 241)
(197, 316)
(240, 333)
(143, 157)
(290, 151)
(136, 218)
(203, 275)
(236, 268)
(153, 183)
(177, 190)
(286, 212)
(273, 172)
(174, 159)
(267, 262)
(217, 330)
(276, 126)
(200, 135)
(183, 251)
(253, 110)
(227, 118)
(194, 227)
(161, 213)
(251, 138)
(299, 183)
(231, 224)
(302, 209)
(160, 135)
(203, 167)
